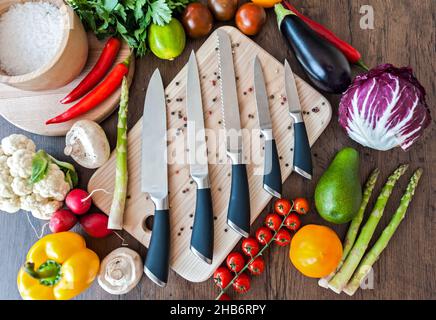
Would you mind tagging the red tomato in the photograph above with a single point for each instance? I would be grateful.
(224, 297)
(273, 221)
(263, 235)
(242, 283)
(282, 207)
(222, 277)
(292, 222)
(257, 266)
(283, 238)
(301, 206)
(250, 247)
(235, 261)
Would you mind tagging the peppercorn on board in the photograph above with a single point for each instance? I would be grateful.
(29, 110)
(317, 114)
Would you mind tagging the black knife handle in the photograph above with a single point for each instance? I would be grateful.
(202, 231)
(238, 216)
(302, 155)
(157, 260)
(272, 177)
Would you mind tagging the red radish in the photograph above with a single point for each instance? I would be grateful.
(95, 225)
(76, 202)
(62, 220)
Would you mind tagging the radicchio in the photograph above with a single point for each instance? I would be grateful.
(385, 108)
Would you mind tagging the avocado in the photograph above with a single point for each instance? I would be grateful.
(338, 194)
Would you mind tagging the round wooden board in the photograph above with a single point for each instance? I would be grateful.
(29, 110)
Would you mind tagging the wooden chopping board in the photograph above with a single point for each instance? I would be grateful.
(29, 110)
(139, 207)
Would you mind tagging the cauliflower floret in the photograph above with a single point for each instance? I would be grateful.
(41, 208)
(17, 142)
(20, 163)
(6, 179)
(10, 205)
(1, 151)
(21, 187)
(53, 185)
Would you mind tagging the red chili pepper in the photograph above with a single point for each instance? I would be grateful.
(352, 54)
(106, 60)
(96, 96)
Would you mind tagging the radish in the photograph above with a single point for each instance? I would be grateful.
(95, 225)
(78, 201)
(62, 220)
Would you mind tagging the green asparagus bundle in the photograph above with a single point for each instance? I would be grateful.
(372, 256)
(354, 226)
(121, 175)
(341, 279)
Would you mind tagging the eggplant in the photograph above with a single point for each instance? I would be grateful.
(325, 65)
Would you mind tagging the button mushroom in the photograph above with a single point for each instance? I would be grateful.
(87, 144)
(120, 271)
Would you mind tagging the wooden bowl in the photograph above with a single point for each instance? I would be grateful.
(68, 62)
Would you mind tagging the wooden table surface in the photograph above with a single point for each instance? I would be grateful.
(404, 35)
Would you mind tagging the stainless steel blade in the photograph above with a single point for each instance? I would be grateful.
(229, 94)
(261, 97)
(196, 135)
(154, 176)
(291, 90)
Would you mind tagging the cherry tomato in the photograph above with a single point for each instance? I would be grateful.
(235, 261)
(250, 247)
(292, 222)
(266, 3)
(223, 10)
(222, 277)
(301, 206)
(224, 297)
(282, 207)
(242, 283)
(197, 20)
(263, 235)
(250, 18)
(283, 238)
(273, 221)
(257, 266)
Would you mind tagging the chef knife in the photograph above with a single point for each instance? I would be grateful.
(272, 178)
(154, 178)
(202, 230)
(302, 156)
(238, 215)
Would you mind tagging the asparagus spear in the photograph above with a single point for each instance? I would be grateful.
(372, 256)
(341, 279)
(354, 226)
(119, 200)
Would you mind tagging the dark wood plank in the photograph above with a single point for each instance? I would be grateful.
(404, 35)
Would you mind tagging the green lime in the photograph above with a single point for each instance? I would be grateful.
(168, 41)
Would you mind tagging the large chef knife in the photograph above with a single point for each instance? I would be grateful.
(202, 231)
(238, 215)
(154, 178)
(272, 178)
(302, 156)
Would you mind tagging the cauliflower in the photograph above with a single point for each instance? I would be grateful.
(20, 163)
(6, 179)
(40, 207)
(21, 187)
(10, 205)
(17, 142)
(53, 185)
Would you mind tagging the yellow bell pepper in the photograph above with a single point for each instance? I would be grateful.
(64, 268)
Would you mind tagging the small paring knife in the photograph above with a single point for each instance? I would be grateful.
(238, 215)
(302, 156)
(202, 230)
(272, 177)
(154, 178)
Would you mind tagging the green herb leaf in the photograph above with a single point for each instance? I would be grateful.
(70, 172)
(40, 163)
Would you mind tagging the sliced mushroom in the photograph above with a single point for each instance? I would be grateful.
(120, 271)
(87, 144)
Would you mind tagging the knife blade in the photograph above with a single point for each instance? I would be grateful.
(238, 214)
(154, 178)
(202, 230)
(302, 156)
(272, 178)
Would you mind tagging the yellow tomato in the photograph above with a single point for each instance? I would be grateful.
(266, 3)
(315, 251)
